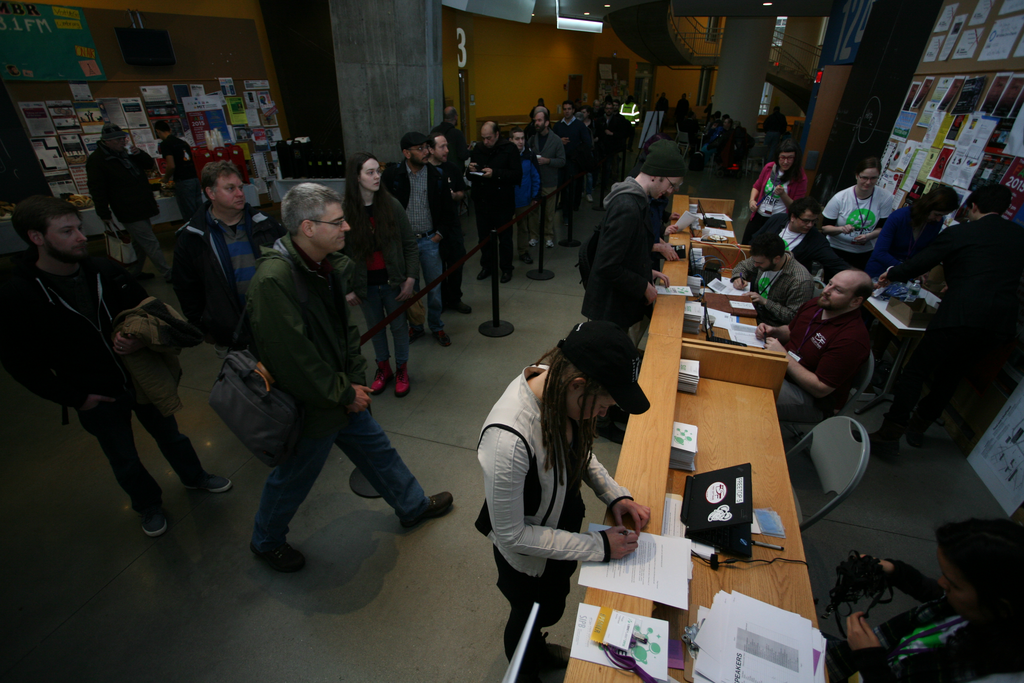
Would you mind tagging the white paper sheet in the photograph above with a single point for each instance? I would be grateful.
(651, 572)
(981, 11)
(672, 525)
(1001, 38)
(653, 660)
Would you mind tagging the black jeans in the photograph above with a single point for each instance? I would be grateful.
(489, 217)
(111, 424)
(946, 355)
(549, 590)
(753, 225)
(452, 248)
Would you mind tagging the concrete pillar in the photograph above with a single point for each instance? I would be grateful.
(388, 58)
(742, 66)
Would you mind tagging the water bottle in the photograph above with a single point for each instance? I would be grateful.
(913, 291)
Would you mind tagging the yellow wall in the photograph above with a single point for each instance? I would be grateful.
(236, 9)
(511, 64)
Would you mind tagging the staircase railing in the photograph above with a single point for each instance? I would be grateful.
(698, 39)
(796, 57)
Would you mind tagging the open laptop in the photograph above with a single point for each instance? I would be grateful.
(710, 222)
(709, 332)
(718, 509)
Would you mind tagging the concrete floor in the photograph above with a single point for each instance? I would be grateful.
(88, 597)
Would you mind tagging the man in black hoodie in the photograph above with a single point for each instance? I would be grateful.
(119, 187)
(58, 342)
(494, 171)
(215, 257)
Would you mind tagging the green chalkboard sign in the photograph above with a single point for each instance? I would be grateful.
(46, 43)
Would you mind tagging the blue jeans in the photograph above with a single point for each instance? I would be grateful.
(367, 446)
(111, 424)
(379, 303)
(430, 262)
(188, 195)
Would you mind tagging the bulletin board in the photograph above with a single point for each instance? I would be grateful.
(218, 83)
(958, 116)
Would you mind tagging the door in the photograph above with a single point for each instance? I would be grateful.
(574, 90)
(463, 99)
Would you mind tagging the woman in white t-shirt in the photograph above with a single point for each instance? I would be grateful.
(853, 218)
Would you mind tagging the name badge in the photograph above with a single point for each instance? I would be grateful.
(794, 356)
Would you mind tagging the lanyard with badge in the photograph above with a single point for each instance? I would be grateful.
(807, 333)
(861, 215)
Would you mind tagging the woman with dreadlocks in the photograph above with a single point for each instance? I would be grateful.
(535, 453)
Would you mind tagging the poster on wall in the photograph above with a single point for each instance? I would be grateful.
(48, 152)
(236, 110)
(81, 178)
(155, 93)
(110, 108)
(47, 43)
(60, 182)
(904, 122)
(969, 96)
(74, 149)
(37, 119)
(227, 86)
(999, 456)
(62, 113)
(1001, 38)
(995, 91)
(134, 113)
(89, 116)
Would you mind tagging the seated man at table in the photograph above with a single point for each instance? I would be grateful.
(826, 344)
(779, 285)
(796, 228)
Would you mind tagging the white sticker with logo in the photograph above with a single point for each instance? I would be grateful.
(739, 490)
(720, 514)
(716, 492)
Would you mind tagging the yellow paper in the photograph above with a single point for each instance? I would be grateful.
(947, 121)
(929, 162)
(601, 624)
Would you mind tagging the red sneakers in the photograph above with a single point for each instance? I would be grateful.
(382, 377)
(401, 380)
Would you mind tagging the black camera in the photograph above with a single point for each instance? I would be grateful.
(857, 577)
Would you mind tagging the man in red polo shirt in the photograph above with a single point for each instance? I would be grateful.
(826, 342)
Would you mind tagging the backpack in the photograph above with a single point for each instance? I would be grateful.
(697, 161)
(265, 419)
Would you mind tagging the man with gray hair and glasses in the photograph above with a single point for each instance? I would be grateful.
(304, 336)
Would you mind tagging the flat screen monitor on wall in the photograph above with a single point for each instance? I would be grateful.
(146, 46)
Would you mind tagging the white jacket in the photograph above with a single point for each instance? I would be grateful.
(526, 541)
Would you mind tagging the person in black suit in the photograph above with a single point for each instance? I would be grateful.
(803, 240)
(983, 261)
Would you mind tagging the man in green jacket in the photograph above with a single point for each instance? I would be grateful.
(311, 347)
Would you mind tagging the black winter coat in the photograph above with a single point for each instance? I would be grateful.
(115, 187)
(52, 349)
(396, 180)
(813, 247)
(500, 189)
(208, 299)
(622, 265)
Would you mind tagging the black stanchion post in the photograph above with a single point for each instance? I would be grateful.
(540, 273)
(569, 241)
(495, 327)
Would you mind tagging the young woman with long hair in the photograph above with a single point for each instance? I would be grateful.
(854, 217)
(970, 626)
(911, 229)
(387, 261)
(780, 183)
(535, 453)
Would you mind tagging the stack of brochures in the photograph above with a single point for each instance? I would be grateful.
(696, 259)
(694, 282)
(741, 638)
(692, 315)
(689, 375)
(684, 447)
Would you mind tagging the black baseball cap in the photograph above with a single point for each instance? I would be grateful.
(604, 353)
(414, 139)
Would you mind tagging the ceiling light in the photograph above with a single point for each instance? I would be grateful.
(580, 25)
(607, 5)
(767, 4)
(586, 14)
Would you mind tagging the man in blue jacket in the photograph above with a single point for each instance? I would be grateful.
(526, 192)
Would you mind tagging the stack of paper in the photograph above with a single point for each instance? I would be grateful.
(675, 290)
(684, 447)
(741, 638)
(693, 314)
(650, 650)
(651, 572)
(697, 258)
(689, 375)
(694, 282)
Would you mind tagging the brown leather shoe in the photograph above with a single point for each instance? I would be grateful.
(440, 504)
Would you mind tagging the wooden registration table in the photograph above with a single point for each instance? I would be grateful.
(734, 411)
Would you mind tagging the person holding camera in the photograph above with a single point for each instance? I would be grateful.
(535, 451)
(970, 625)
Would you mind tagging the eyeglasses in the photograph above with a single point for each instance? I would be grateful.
(869, 178)
(811, 220)
(338, 223)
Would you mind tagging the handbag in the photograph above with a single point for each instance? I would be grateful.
(119, 244)
(417, 313)
(267, 420)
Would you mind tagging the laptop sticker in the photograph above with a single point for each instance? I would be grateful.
(716, 492)
(720, 514)
(739, 490)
